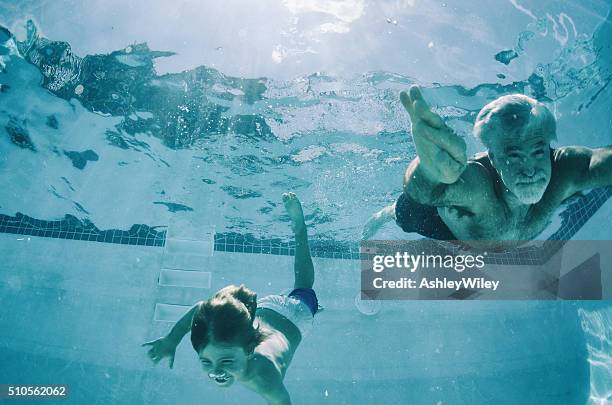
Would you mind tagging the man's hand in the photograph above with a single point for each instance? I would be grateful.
(442, 153)
(160, 348)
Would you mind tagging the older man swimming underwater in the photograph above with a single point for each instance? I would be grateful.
(508, 193)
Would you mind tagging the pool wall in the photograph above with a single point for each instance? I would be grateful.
(76, 312)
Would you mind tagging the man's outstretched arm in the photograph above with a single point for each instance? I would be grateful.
(600, 167)
(440, 174)
(586, 168)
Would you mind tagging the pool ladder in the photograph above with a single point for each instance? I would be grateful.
(183, 274)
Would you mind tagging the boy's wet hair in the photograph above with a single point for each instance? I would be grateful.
(514, 115)
(228, 318)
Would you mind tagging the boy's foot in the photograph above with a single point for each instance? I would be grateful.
(294, 209)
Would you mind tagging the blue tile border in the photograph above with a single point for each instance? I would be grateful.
(248, 243)
(70, 227)
(578, 212)
(573, 218)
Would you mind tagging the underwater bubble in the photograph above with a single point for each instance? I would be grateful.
(367, 307)
(78, 90)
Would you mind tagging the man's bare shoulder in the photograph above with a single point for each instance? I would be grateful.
(567, 157)
(474, 188)
(568, 153)
(477, 177)
(570, 164)
(579, 168)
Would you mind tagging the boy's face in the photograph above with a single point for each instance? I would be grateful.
(223, 363)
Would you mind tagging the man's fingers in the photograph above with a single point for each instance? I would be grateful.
(147, 343)
(422, 111)
(415, 94)
(418, 108)
(452, 163)
(407, 103)
(432, 127)
(446, 140)
(171, 361)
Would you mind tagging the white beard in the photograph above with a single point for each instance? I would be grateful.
(529, 195)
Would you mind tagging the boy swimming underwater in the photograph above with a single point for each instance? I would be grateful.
(238, 338)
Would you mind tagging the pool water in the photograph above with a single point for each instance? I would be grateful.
(152, 137)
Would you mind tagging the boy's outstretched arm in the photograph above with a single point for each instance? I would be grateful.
(180, 329)
(166, 346)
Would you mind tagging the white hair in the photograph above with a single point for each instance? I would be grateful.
(515, 115)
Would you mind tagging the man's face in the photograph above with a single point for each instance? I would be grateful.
(524, 165)
(223, 363)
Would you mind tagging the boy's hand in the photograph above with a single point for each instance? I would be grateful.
(160, 348)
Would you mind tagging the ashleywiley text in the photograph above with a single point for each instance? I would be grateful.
(471, 283)
(403, 270)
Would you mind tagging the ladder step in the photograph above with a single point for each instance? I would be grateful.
(190, 247)
(169, 312)
(182, 278)
(186, 262)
